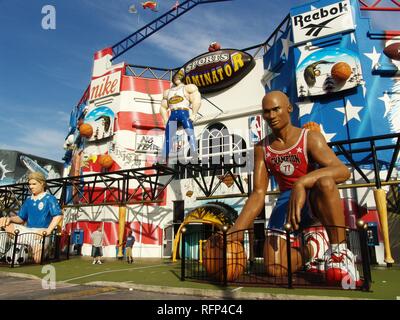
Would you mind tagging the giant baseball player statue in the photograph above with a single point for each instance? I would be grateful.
(179, 99)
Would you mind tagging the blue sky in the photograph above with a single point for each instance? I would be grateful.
(44, 72)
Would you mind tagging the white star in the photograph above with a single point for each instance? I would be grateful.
(328, 136)
(312, 8)
(374, 56)
(299, 150)
(386, 99)
(3, 170)
(305, 108)
(286, 44)
(268, 77)
(268, 154)
(350, 112)
(353, 37)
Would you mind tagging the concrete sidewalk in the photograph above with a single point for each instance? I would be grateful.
(216, 294)
(163, 276)
(107, 286)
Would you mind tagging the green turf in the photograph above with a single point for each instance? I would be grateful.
(161, 272)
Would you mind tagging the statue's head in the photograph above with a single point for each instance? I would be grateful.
(177, 78)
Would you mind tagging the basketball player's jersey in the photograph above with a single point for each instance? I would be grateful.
(287, 166)
(177, 99)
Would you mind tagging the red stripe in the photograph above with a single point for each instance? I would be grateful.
(144, 85)
(392, 33)
(101, 53)
(126, 120)
(151, 233)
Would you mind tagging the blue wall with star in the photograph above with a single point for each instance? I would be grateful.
(369, 108)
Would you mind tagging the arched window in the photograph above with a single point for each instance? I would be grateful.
(238, 152)
(218, 147)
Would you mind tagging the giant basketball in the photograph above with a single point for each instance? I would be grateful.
(214, 46)
(213, 259)
(85, 130)
(275, 257)
(106, 161)
(341, 71)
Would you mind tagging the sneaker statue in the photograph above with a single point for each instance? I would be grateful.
(317, 241)
(340, 267)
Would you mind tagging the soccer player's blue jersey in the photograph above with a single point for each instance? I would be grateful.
(39, 213)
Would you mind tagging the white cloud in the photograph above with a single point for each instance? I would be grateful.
(25, 115)
(58, 73)
(28, 132)
(192, 34)
(43, 152)
(42, 142)
(43, 137)
(63, 116)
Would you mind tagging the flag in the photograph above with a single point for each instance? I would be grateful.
(152, 5)
(132, 9)
(176, 5)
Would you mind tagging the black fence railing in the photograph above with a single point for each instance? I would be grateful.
(147, 184)
(305, 260)
(18, 249)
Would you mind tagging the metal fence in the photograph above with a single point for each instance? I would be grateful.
(276, 260)
(17, 249)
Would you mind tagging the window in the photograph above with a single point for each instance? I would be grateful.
(218, 147)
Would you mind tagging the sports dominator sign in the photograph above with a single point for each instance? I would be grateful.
(215, 71)
(322, 22)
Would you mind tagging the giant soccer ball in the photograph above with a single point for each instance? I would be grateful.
(22, 252)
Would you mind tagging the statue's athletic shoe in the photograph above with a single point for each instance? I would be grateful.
(317, 241)
(340, 268)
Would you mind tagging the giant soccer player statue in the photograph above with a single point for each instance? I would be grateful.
(179, 99)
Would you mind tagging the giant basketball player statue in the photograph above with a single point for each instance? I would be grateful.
(179, 99)
(307, 172)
